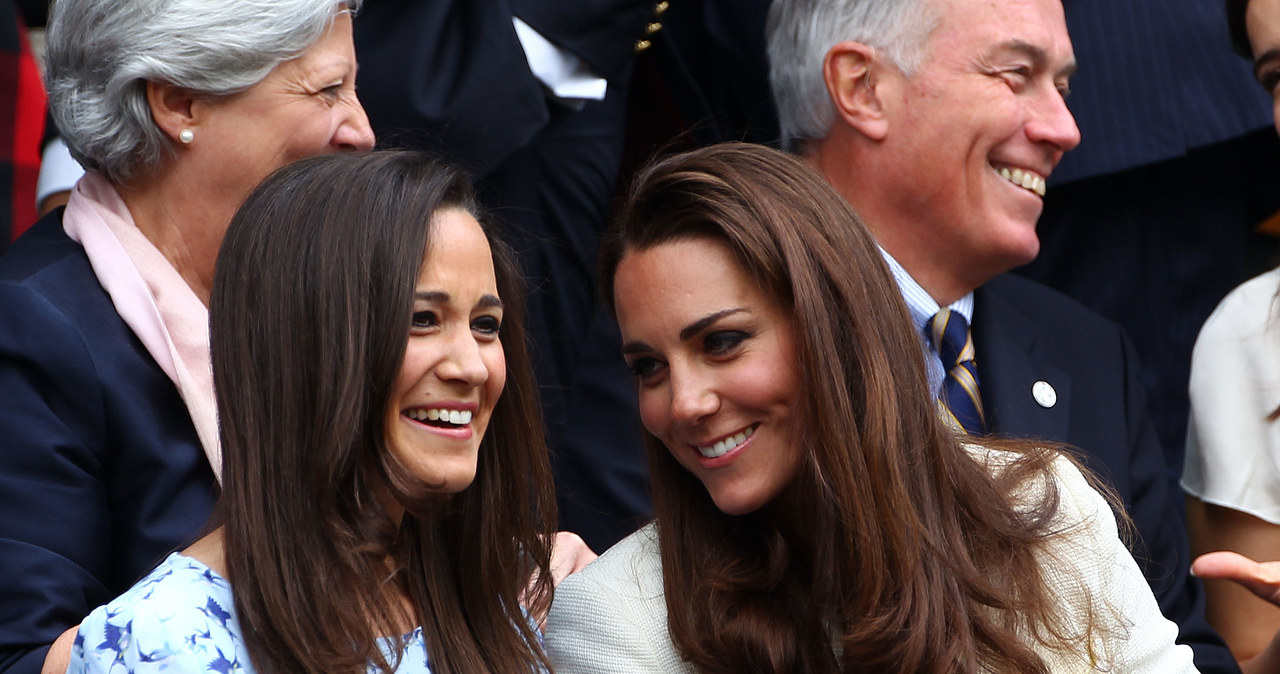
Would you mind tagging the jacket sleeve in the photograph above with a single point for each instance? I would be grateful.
(1093, 569)
(54, 522)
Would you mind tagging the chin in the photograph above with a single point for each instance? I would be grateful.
(1020, 247)
(735, 505)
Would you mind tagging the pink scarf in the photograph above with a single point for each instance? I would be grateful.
(152, 298)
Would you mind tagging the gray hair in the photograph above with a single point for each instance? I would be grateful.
(801, 32)
(101, 53)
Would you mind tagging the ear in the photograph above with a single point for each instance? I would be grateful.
(854, 82)
(172, 108)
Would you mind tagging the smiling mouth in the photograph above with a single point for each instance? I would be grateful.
(440, 418)
(722, 447)
(1026, 179)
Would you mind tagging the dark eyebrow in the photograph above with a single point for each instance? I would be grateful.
(1039, 57)
(1262, 60)
(441, 297)
(437, 296)
(702, 323)
(685, 333)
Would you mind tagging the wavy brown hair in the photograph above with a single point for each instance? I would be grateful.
(894, 550)
(310, 316)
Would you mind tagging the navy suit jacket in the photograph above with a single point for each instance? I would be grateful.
(1025, 333)
(452, 76)
(101, 472)
(1157, 79)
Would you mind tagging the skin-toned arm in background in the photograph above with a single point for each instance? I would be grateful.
(58, 658)
(1249, 625)
(569, 555)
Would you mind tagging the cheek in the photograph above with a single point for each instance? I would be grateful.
(496, 363)
(653, 411)
(309, 134)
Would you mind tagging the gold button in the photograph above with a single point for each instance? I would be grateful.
(661, 7)
(642, 45)
(652, 28)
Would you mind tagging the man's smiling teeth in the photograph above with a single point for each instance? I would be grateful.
(1024, 179)
(455, 417)
(723, 447)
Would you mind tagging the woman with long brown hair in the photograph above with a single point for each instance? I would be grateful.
(387, 491)
(813, 513)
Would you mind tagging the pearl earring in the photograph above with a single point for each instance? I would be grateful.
(186, 136)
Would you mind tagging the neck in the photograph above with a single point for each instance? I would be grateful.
(184, 221)
(210, 552)
(865, 186)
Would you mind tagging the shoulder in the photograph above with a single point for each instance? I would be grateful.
(47, 280)
(1105, 606)
(633, 567)
(1080, 512)
(181, 615)
(1246, 312)
(45, 245)
(1061, 476)
(1038, 302)
(612, 616)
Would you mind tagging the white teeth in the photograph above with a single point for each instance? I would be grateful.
(722, 447)
(454, 417)
(1027, 180)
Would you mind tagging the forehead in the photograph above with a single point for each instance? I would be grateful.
(972, 29)
(458, 254)
(681, 279)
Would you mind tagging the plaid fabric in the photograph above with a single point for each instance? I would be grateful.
(22, 104)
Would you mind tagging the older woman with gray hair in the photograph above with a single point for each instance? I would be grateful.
(109, 456)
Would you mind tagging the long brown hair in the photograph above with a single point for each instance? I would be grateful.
(310, 315)
(894, 550)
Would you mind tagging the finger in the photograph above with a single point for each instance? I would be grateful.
(1224, 564)
(1262, 579)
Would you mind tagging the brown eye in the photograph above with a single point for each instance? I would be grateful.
(718, 343)
(424, 319)
(644, 368)
(486, 325)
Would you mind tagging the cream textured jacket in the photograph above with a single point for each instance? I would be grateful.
(612, 616)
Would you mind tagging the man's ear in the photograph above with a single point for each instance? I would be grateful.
(172, 108)
(850, 71)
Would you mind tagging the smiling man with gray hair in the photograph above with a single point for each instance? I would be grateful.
(940, 121)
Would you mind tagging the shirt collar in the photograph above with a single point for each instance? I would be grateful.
(922, 305)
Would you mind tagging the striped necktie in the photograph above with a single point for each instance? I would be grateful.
(960, 401)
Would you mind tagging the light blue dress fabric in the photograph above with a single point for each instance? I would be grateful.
(181, 618)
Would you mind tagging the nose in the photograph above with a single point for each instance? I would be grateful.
(463, 362)
(354, 133)
(692, 399)
(1053, 124)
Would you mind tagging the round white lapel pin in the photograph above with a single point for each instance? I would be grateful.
(1044, 394)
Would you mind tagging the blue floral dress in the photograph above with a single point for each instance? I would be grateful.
(181, 618)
